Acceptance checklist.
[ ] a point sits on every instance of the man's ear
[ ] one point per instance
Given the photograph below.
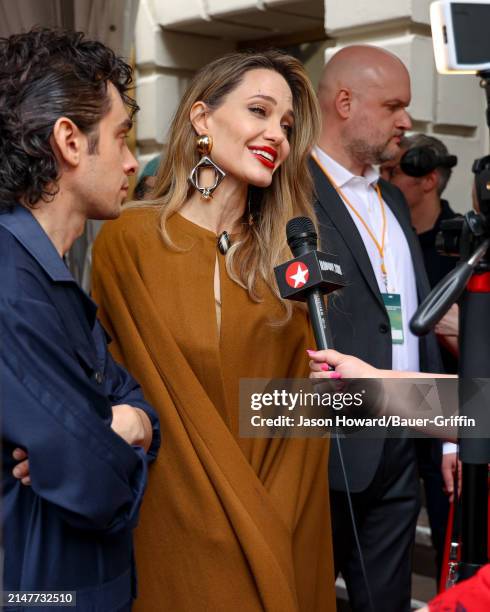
(199, 118)
(430, 181)
(343, 103)
(69, 141)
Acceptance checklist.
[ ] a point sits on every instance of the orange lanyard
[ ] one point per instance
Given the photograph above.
(379, 245)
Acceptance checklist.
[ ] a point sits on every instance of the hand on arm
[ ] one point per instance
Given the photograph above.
(126, 391)
(21, 470)
(69, 453)
(133, 425)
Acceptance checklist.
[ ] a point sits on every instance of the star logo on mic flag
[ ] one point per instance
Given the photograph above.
(297, 275)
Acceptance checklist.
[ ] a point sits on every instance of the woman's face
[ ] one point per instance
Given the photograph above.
(250, 129)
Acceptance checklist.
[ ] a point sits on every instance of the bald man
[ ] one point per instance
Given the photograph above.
(364, 92)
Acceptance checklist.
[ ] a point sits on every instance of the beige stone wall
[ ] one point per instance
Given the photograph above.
(174, 39)
(165, 60)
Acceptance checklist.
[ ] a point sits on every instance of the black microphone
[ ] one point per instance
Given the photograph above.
(309, 276)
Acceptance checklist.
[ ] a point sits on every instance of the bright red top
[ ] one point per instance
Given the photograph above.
(472, 595)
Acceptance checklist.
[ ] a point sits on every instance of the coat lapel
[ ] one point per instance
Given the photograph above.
(332, 206)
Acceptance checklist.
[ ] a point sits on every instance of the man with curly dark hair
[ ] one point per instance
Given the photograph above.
(77, 434)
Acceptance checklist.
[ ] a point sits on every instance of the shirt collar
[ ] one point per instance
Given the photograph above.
(446, 211)
(341, 175)
(24, 226)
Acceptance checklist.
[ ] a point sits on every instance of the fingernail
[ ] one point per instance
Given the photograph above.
(335, 375)
(325, 367)
(311, 352)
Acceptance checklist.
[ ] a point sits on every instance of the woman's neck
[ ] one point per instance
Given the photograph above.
(223, 212)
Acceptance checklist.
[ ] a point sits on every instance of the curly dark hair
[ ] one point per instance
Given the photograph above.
(46, 74)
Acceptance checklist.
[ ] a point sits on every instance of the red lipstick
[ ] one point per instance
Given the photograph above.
(265, 155)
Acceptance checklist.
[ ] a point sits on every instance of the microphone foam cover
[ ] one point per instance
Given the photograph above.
(299, 226)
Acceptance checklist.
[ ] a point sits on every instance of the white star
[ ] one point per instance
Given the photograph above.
(300, 277)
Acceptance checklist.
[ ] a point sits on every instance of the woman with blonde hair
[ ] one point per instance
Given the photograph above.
(186, 289)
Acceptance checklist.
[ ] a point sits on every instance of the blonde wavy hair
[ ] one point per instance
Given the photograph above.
(262, 245)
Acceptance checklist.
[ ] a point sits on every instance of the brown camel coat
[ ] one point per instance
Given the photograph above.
(228, 524)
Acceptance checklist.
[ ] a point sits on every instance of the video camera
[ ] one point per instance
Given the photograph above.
(462, 46)
(461, 236)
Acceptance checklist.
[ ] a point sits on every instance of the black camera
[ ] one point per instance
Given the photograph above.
(461, 236)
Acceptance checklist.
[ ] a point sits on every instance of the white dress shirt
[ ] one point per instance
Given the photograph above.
(361, 193)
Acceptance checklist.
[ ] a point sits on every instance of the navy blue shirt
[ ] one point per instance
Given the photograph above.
(72, 528)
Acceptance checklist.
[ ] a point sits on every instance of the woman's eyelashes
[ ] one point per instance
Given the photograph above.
(287, 128)
(258, 110)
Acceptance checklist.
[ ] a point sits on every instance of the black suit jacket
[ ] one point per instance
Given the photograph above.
(357, 317)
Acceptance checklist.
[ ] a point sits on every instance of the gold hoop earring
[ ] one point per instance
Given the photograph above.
(204, 144)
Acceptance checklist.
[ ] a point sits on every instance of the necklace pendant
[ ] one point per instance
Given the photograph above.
(224, 243)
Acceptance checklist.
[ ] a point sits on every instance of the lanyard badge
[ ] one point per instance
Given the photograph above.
(393, 305)
(392, 301)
